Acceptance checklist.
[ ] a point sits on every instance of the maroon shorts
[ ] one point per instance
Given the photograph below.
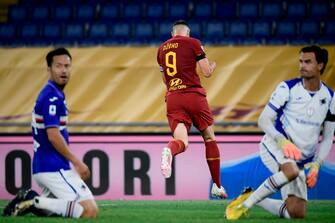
(188, 108)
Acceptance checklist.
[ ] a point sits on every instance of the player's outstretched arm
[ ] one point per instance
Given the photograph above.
(58, 141)
(327, 141)
(325, 147)
(207, 67)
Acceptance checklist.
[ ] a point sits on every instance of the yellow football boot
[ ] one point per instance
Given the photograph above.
(235, 209)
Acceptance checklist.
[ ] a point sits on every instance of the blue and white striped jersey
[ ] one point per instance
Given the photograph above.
(301, 114)
(50, 111)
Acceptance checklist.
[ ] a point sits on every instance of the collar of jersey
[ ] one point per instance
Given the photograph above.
(54, 85)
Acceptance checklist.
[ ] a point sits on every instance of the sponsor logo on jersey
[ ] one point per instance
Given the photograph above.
(307, 122)
(176, 84)
(53, 99)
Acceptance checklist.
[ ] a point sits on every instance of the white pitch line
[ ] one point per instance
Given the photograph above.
(105, 205)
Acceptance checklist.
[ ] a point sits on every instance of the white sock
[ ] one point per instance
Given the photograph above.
(268, 187)
(276, 207)
(70, 209)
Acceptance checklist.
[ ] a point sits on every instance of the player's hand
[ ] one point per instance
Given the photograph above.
(312, 175)
(212, 64)
(290, 150)
(82, 169)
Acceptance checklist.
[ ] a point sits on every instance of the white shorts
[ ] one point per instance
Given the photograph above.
(64, 184)
(272, 158)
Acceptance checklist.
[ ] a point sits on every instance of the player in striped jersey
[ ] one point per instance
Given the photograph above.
(292, 121)
(64, 192)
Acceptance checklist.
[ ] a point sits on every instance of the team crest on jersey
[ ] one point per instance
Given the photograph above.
(323, 101)
(83, 187)
(310, 111)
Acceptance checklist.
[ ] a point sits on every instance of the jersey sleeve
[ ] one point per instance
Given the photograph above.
(51, 111)
(159, 59)
(279, 97)
(198, 50)
(331, 111)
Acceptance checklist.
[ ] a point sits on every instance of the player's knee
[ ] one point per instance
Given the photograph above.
(208, 134)
(186, 145)
(209, 139)
(297, 213)
(91, 211)
(291, 171)
(296, 207)
(294, 173)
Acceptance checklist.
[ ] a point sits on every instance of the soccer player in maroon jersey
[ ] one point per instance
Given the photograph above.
(186, 99)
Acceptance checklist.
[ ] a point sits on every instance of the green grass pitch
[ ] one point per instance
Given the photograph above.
(180, 212)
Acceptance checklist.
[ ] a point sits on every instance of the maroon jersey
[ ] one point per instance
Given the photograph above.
(177, 58)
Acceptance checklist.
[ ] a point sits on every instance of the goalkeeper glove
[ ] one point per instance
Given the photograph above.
(290, 150)
(313, 172)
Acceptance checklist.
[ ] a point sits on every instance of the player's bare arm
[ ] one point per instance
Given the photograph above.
(60, 145)
(207, 67)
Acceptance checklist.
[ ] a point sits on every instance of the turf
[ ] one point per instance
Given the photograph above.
(180, 212)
